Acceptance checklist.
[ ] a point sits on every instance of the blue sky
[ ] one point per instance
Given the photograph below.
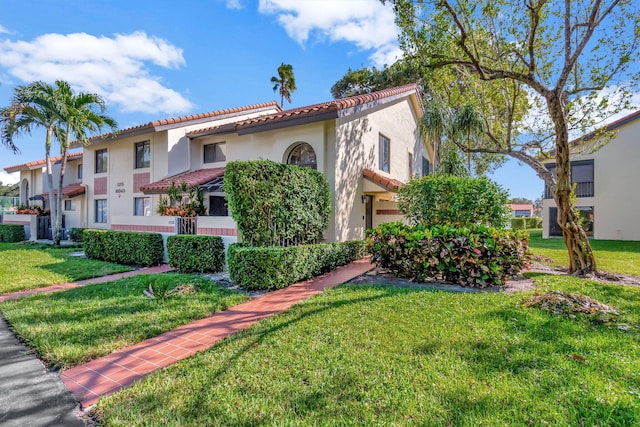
(152, 60)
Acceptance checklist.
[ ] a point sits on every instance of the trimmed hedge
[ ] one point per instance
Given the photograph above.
(277, 267)
(76, 234)
(124, 247)
(526, 223)
(196, 254)
(275, 204)
(475, 256)
(12, 233)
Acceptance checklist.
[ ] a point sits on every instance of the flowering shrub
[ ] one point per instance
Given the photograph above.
(32, 210)
(182, 200)
(476, 256)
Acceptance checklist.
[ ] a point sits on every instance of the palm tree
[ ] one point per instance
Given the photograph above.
(285, 82)
(83, 115)
(35, 105)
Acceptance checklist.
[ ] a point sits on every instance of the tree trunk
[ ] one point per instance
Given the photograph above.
(57, 225)
(49, 172)
(581, 259)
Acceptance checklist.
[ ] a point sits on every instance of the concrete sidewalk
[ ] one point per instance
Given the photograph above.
(30, 395)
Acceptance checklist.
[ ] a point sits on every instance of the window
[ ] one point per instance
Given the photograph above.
(142, 206)
(303, 155)
(384, 153)
(143, 154)
(218, 206)
(69, 205)
(410, 165)
(426, 166)
(101, 211)
(102, 158)
(586, 213)
(216, 152)
(80, 171)
(581, 175)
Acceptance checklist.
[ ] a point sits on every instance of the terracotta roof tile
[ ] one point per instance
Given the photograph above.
(69, 191)
(40, 163)
(390, 184)
(334, 105)
(197, 177)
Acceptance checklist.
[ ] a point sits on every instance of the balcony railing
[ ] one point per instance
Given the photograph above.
(583, 189)
(186, 225)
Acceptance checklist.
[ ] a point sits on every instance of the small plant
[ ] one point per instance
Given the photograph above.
(182, 200)
(162, 290)
(32, 210)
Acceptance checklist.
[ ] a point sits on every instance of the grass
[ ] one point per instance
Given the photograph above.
(388, 356)
(29, 266)
(81, 324)
(616, 256)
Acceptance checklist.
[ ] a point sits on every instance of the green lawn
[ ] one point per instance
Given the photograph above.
(71, 327)
(387, 356)
(616, 256)
(26, 266)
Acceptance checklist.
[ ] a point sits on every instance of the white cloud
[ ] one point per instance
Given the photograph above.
(366, 23)
(9, 178)
(234, 4)
(115, 67)
(3, 30)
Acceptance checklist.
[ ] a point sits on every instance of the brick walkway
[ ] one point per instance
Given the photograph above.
(109, 374)
(63, 287)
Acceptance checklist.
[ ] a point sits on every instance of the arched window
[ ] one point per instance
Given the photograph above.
(303, 155)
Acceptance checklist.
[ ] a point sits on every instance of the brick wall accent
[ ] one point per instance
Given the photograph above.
(210, 231)
(100, 186)
(140, 179)
(147, 228)
(388, 212)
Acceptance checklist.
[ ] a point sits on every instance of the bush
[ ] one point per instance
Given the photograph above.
(458, 201)
(196, 254)
(276, 204)
(526, 223)
(12, 233)
(277, 267)
(76, 234)
(124, 247)
(477, 256)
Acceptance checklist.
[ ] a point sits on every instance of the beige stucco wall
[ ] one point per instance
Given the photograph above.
(357, 148)
(616, 200)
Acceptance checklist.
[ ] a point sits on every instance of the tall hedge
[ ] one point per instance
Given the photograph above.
(196, 254)
(124, 247)
(11, 233)
(276, 204)
(457, 201)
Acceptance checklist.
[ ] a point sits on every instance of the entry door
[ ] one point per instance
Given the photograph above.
(368, 212)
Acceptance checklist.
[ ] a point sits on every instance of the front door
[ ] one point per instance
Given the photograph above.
(368, 212)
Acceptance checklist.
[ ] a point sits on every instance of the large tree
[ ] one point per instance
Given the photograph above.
(63, 115)
(571, 62)
(284, 82)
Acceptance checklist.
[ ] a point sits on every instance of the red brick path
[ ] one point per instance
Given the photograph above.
(63, 287)
(109, 374)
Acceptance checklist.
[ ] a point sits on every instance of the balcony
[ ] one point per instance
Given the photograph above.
(583, 189)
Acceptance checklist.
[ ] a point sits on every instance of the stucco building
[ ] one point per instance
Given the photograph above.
(366, 146)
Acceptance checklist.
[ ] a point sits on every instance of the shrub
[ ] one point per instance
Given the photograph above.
(519, 223)
(276, 204)
(276, 267)
(124, 247)
(458, 201)
(12, 233)
(476, 256)
(76, 234)
(197, 254)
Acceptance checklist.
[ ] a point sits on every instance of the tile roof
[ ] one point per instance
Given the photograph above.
(310, 110)
(390, 184)
(184, 119)
(196, 177)
(523, 207)
(40, 163)
(70, 191)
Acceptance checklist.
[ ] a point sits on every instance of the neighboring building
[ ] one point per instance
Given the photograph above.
(367, 146)
(606, 179)
(521, 210)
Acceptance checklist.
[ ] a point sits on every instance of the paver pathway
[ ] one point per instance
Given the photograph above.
(63, 287)
(109, 374)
